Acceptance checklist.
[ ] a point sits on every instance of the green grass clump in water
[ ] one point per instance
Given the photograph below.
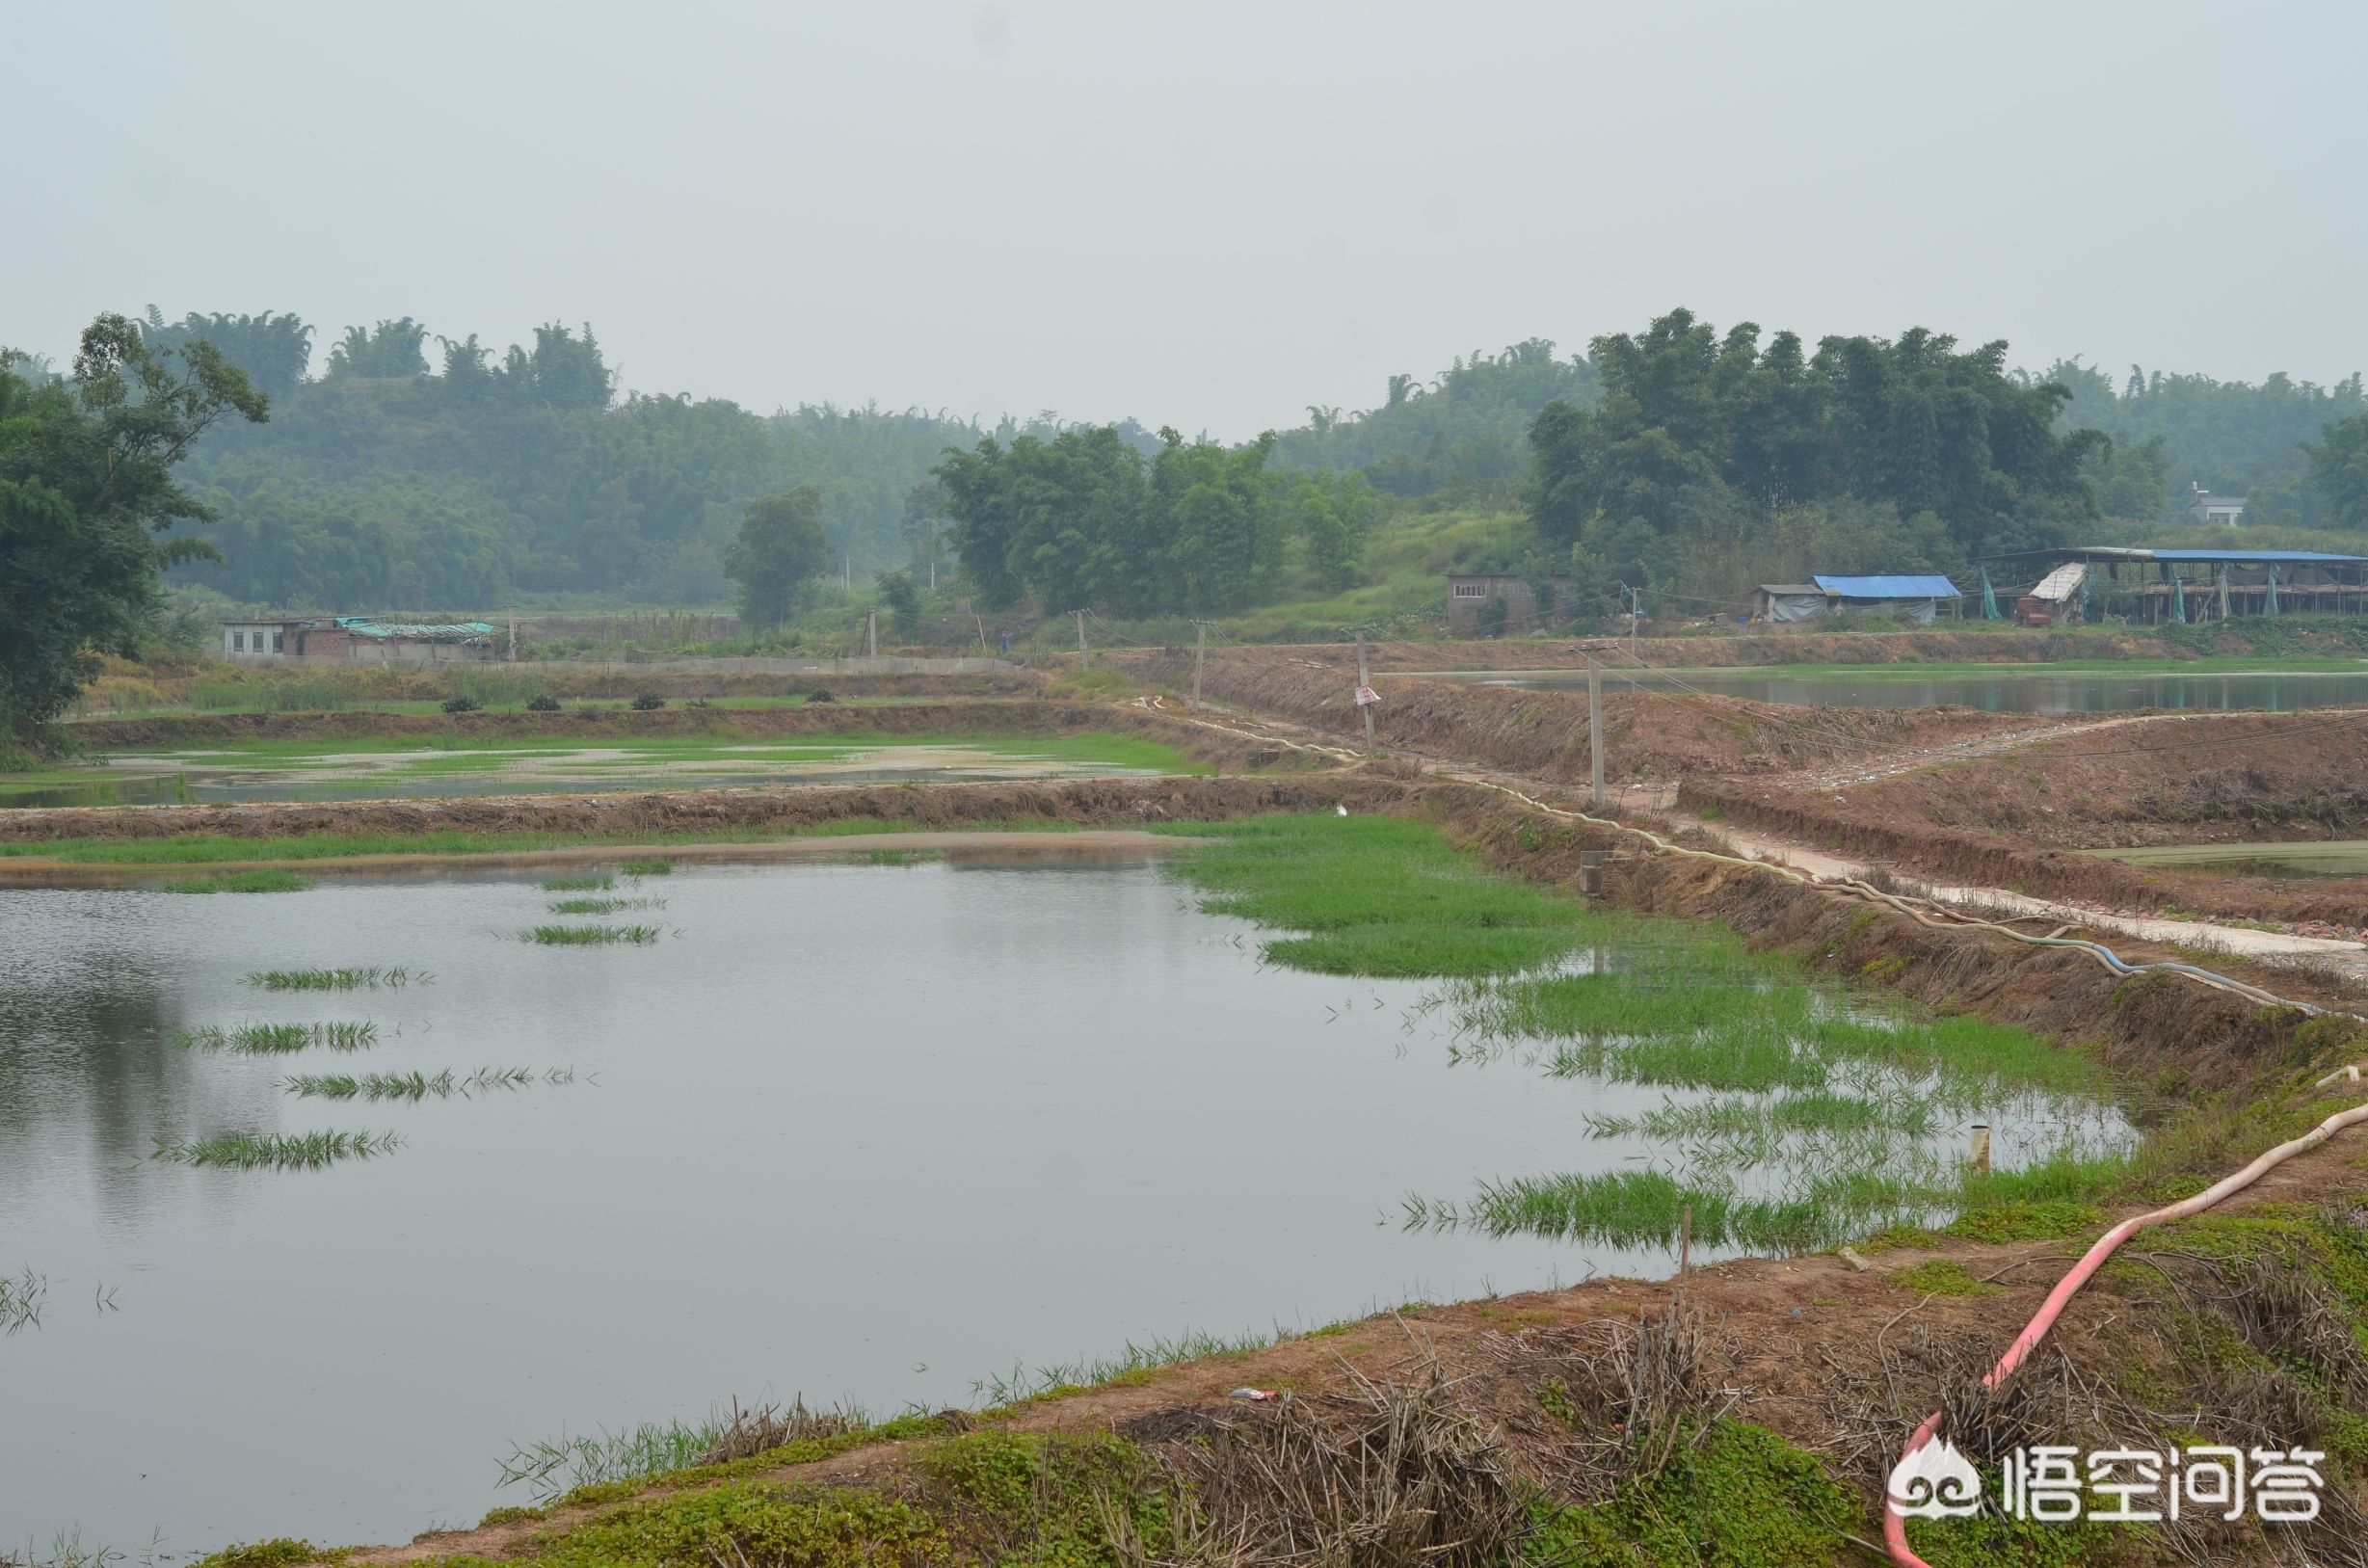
(278, 1151)
(646, 869)
(415, 1085)
(280, 1552)
(274, 1039)
(590, 936)
(367, 978)
(599, 883)
(238, 881)
(603, 906)
(1377, 895)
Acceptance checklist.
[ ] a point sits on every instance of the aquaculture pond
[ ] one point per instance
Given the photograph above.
(330, 1196)
(2002, 690)
(2278, 859)
(371, 768)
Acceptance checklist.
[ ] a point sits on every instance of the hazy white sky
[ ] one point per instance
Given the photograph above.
(1202, 214)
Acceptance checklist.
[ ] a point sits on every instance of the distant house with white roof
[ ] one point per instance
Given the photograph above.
(2207, 506)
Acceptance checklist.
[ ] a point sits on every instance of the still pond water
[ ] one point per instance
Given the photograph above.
(862, 1133)
(2060, 691)
(2279, 861)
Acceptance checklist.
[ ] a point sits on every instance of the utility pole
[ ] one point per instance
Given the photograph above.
(1200, 650)
(1595, 732)
(1632, 627)
(982, 632)
(1362, 681)
(513, 639)
(872, 632)
(1084, 656)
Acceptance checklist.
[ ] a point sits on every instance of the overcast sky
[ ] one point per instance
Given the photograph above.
(1201, 214)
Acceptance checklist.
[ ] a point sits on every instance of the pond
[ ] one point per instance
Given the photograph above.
(2275, 859)
(863, 1132)
(357, 770)
(2008, 690)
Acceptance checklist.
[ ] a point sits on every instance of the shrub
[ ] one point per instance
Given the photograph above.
(542, 703)
(647, 701)
(820, 694)
(463, 704)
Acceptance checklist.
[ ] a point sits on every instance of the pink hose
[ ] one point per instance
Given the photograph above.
(1895, 1523)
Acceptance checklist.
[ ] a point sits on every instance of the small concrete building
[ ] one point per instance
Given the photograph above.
(1470, 593)
(356, 639)
(2207, 506)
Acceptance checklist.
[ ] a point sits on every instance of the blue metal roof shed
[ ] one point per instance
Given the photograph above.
(1898, 587)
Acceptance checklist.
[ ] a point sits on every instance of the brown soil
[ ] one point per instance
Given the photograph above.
(1760, 645)
(129, 685)
(1649, 738)
(2017, 819)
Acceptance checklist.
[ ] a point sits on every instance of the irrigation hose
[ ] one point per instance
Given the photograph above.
(1895, 1523)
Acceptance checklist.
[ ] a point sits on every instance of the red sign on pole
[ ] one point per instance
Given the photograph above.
(1366, 697)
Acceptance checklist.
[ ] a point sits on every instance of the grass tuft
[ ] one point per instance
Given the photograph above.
(590, 936)
(601, 883)
(367, 978)
(646, 869)
(273, 1038)
(277, 1151)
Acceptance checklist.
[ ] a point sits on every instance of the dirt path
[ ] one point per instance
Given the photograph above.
(39, 871)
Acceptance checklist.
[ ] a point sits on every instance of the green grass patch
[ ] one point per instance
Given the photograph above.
(648, 868)
(238, 881)
(368, 977)
(1741, 1496)
(277, 1151)
(278, 1039)
(601, 883)
(1941, 1277)
(603, 906)
(590, 936)
(415, 1086)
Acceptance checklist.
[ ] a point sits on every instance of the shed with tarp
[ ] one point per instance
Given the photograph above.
(2156, 587)
(1785, 601)
(1920, 595)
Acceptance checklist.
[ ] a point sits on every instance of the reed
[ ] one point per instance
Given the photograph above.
(21, 1298)
(1024, 1383)
(417, 1086)
(277, 1151)
(603, 906)
(599, 883)
(590, 936)
(646, 869)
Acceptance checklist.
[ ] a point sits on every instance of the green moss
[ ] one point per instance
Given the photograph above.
(1940, 1277)
(782, 1527)
(513, 1516)
(1742, 1498)
(1989, 1541)
(1883, 969)
(2044, 1220)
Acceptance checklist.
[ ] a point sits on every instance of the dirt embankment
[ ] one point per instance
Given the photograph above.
(1765, 646)
(126, 686)
(2019, 819)
(985, 717)
(1648, 738)
(1131, 802)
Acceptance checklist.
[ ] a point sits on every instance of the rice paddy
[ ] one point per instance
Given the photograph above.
(646, 869)
(603, 906)
(238, 881)
(277, 1151)
(415, 1086)
(590, 936)
(599, 883)
(275, 1039)
(365, 979)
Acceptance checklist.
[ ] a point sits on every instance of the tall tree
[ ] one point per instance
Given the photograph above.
(85, 492)
(2339, 471)
(780, 549)
(275, 350)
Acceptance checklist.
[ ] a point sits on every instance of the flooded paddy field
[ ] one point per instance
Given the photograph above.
(871, 1132)
(2000, 689)
(356, 768)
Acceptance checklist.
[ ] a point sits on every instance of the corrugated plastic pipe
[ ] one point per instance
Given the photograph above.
(1895, 1523)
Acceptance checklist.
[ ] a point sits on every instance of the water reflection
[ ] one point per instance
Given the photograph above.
(2008, 691)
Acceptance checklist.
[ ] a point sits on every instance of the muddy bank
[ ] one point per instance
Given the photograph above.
(1649, 738)
(126, 686)
(1762, 644)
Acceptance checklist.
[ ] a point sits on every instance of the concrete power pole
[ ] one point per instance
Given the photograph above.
(1200, 650)
(1084, 656)
(1632, 626)
(872, 632)
(1362, 681)
(1595, 732)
